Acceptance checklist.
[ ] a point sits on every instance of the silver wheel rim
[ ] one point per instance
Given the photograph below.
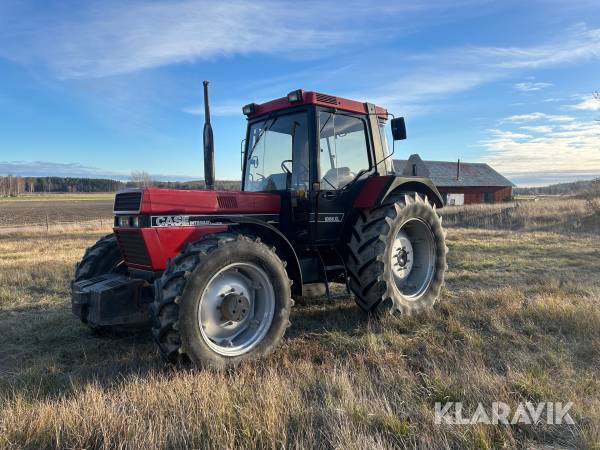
(413, 258)
(236, 309)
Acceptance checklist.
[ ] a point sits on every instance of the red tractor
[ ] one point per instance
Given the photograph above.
(214, 272)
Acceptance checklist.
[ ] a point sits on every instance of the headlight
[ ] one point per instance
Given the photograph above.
(295, 96)
(123, 221)
(249, 109)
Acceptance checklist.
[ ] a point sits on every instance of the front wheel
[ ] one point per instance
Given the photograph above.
(223, 300)
(397, 256)
(101, 258)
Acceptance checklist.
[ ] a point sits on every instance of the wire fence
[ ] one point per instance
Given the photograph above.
(49, 225)
(47, 215)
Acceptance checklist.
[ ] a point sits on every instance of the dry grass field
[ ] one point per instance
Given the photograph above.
(567, 215)
(519, 320)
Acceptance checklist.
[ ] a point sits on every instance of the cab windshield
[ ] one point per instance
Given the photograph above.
(275, 145)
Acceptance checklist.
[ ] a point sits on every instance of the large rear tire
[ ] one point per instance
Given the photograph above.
(223, 300)
(397, 256)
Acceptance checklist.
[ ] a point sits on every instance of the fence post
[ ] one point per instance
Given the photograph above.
(47, 224)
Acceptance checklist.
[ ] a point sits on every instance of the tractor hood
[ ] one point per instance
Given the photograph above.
(176, 201)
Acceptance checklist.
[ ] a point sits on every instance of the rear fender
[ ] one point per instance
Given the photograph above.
(422, 186)
(272, 236)
(377, 189)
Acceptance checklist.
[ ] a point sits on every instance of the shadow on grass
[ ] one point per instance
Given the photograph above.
(48, 353)
(323, 315)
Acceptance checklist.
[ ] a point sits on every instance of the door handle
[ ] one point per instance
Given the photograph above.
(329, 194)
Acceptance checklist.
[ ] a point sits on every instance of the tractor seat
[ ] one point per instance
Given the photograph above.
(338, 177)
(274, 182)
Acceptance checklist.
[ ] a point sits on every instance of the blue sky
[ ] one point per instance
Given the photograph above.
(104, 88)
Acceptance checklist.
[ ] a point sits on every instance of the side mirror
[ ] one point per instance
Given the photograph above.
(398, 129)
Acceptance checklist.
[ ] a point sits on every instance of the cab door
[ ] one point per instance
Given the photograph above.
(343, 152)
(277, 161)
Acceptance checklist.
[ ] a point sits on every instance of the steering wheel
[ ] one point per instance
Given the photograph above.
(284, 168)
(262, 177)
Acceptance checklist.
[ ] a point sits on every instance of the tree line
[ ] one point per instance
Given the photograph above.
(13, 186)
(591, 187)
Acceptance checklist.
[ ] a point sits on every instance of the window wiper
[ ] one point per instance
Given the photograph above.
(262, 132)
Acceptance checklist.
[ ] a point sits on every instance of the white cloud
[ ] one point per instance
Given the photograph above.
(413, 92)
(554, 147)
(439, 74)
(538, 129)
(537, 116)
(109, 39)
(590, 103)
(530, 87)
(116, 39)
(97, 39)
(231, 108)
(46, 168)
(580, 43)
(101, 39)
(503, 135)
(531, 179)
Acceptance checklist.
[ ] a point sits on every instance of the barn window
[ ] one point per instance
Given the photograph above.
(488, 197)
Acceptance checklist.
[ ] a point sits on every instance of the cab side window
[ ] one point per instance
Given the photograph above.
(343, 149)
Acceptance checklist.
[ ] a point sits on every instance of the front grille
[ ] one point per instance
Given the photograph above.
(128, 202)
(324, 98)
(227, 202)
(132, 247)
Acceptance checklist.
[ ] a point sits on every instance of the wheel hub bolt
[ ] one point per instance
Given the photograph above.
(402, 257)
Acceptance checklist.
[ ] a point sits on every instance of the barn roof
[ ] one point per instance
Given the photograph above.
(443, 173)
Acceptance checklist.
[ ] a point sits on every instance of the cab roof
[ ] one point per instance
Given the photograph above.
(315, 98)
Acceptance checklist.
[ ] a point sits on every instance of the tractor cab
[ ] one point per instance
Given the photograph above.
(316, 151)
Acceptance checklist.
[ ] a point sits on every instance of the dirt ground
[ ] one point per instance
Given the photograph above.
(27, 212)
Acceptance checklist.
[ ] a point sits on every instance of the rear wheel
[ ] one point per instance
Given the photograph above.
(397, 256)
(223, 300)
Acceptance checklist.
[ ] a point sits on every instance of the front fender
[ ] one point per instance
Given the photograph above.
(271, 235)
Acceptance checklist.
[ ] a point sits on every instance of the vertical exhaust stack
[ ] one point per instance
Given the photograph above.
(209, 145)
(458, 170)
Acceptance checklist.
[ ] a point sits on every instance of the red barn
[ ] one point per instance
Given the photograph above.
(459, 183)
